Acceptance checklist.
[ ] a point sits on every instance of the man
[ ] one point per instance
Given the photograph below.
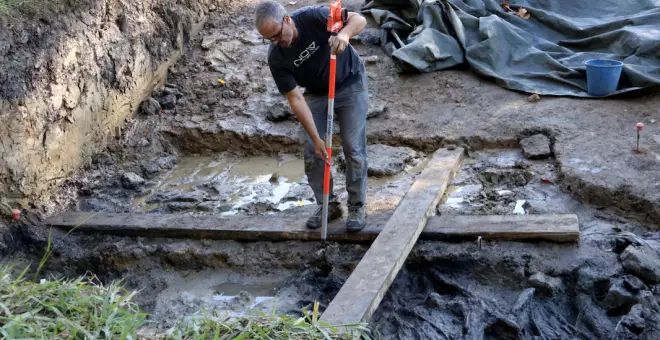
(300, 56)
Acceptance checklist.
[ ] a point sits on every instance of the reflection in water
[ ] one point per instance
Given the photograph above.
(238, 182)
(232, 289)
(227, 291)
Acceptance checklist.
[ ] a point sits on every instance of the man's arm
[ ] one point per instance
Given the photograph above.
(355, 23)
(304, 115)
(286, 84)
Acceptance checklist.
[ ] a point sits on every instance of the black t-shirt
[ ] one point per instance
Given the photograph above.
(307, 62)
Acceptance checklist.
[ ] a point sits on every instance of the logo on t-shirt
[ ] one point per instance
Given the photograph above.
(304, 55)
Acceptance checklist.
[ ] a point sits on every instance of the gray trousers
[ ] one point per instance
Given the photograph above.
(351, 104)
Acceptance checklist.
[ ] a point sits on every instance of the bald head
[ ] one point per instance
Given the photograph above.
(269, 11)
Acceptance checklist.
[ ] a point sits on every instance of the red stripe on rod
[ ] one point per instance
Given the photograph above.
(326, 183)
(333, 72)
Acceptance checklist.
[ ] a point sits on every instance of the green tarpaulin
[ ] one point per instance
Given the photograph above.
(543, 54)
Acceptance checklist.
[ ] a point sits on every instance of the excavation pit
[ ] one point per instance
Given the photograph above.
(476, 288)
(225, 144)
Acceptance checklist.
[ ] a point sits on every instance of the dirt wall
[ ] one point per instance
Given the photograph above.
(71, 75)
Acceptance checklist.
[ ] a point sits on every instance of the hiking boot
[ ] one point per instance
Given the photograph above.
(334, 212)
(356, 219)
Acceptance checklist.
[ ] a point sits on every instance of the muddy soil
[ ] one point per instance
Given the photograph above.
(71, 73)
(522, 291)
(221, 98)
(605, 286)
(510, 290)
(503, 182)
(217, 138)
(178, 278)
(229, 184)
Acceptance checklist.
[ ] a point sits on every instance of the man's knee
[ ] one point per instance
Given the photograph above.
(357, 161)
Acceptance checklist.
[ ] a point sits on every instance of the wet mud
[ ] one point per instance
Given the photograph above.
(513, 291)
(216, 138)
(503, 182)
(605, 286)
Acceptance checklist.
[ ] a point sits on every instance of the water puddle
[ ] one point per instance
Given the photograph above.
(226, 185)
(227, 291)
(456, 195)
(219, 289)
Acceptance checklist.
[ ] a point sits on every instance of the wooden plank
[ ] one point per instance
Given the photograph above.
(362, 292)
(556, 228)
(291, 226)
(285, 226)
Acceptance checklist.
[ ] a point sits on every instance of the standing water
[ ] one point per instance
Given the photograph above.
(229, 185)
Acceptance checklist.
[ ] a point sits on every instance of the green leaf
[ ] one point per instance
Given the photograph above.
(242, 336)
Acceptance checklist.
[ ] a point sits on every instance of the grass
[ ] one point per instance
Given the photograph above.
(84, 308)
(262, 326)
(65, 309)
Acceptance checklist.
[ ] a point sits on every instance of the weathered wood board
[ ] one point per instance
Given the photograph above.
(556, 228)
(240, 228)
(362, 292)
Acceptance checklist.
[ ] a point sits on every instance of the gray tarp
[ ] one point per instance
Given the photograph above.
(544, 54)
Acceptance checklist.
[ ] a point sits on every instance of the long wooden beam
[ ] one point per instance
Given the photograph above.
(281, 227)
(362, 292)
(554, 228)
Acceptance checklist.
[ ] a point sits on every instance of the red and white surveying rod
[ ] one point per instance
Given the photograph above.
(336, 20)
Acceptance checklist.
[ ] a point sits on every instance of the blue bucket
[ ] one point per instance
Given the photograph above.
(603, 76)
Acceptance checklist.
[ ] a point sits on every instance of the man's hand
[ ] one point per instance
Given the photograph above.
(338, 43)
(354, 25)
(300, 108)
(319, 150)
